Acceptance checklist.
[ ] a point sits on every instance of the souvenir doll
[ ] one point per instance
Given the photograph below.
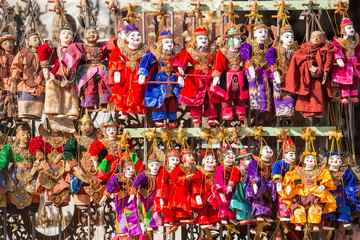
(306, 192)
(239, 204)
(228, 62)
(279, 169)
(128, 93)
(21, 181)
(145, 184)
(26, 74)
(165, 189)
(88, 60)
(278, 59)
(195, 93)
(83, 183)
(307, 75)
(8, 101)
(119, 186)
(347, 70)
(253, 52)
(61, 102)
(201, 185)
(163, 98)
(261, 190)
(220, 197)
(344, 194)
(53, 169)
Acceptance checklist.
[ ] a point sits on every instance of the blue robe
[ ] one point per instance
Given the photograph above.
(279, 169)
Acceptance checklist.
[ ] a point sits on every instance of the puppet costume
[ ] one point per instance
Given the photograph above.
(201, 184)
(48, 150)
(196, 91)
(305, 196)
(163, 98)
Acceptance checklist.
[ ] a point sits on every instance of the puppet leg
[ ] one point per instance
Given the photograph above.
(299, 216)
(171, 108)
(263, 91)
(253, 93)
(209, 108)
(354, 88)
(227, 109)
(240, 108)
(314, 214)
(104, 94)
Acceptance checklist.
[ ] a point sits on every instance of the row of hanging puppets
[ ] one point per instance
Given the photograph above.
(58, 76)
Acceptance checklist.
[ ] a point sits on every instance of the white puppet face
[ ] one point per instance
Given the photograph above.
(167, 44)
(237, 41)
(210, 161)
(154, 168)
(173, 161)
(122, 34)
(202, 40)
(261, 34)
(134, 38)
(229, 158)
(310, 161)
(287, 38)
(66, 36)
(267, 152)
(290, 157)
(349, 30)
(129, 171)
(335, 161)
(111, 131)
(245, 162)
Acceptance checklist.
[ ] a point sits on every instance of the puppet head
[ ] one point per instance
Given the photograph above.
(133, 36)
(310, 161)
(68, 30)
(7, 39)
(317, 38)
(229, 158)
(121, 32)
(289, 152)
(86, 125)
(287, 36)
(209, 161)
(166, 42)
(234, 37)
(153, 164)
(111, 130)
(33, 39)
(23, 134)
(335, 160)
(128, 167)
(201, 38)
(91, 36)
(173, 158)
(347, 27)
(245, 157)
(260, 32)
(266, 153)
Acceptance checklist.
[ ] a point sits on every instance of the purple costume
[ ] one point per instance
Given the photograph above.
(253, 54)
(278, 59)
(145, 185)
(126, 213)
(259, 173)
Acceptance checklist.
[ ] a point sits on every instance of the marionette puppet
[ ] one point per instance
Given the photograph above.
(53, 170)
(61, 101)
(278, 59)
(162, 97)
(201, 184)
(84, 184)
(228, 63)
(347, 70)
(8, 100)
(253, 52)
(306, 192)
(307, 75)
(145, 185)
(120, 186)
(238, 203)
(200, 53)
(261, 190)
(88, 60)
(29, 79)
(279, 169)
(220, 198)
(17, 161)
(128, 94)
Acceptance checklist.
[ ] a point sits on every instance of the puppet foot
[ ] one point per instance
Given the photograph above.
(316, 228)
(224, 221)
(260, 219)
(172, 125)
(196, 120)
(211, 122)
(298, 228)
(269, 220)
(228, 117)
(123, 116)
(60, 116)
(242, 117)
(284, 219)
(354, 99)
(347, 225)
(142, 115)
(327, 228)
(344, 101)
(104, 110)
(204, 226)
(159, 124)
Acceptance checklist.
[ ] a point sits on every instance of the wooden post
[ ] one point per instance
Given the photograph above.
(60, 223)
(143, 26)
(5, 223)
(89, 221)
(33, 232)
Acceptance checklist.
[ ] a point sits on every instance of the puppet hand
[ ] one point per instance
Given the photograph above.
(340, 62)
(181, 71)
(131, 198)
(222, 196)
(321, 188)
(277, 77)
(161, 202)
(216, 81)
(181, 81)
(288, 189)
(95, 164)
(189, 176)
(324, 78)
(255, 187)
(229, 190)
(198, 200)
(142, 79)
(279, 187)
(252, 72)
(103, 201)
(13, 87)
(46, 73)
(117, 77)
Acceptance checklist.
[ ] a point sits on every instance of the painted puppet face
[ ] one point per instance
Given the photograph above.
(23, 136)
(167, 44)
(173, 161)
(129, 171)
(317, 38)
(287, 38)
(210, 161)
(91, 36)
(134, 38)
(154, 168)
(87, 129)
(8, 45)
(122, 34)
(290, 157)
(237, 42)
(310, 161)
(267, 152)
(34, 41)
(349, 30)
(229, 158)
(66, 36)
(261, 34)
(202, 40)
(335, 161)
(245, 162)
(111, 131)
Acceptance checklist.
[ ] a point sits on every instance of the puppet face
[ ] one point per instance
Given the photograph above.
(173, 161)
(317, 38)
(122, 34)
(134, 38)
(129, 171)
(87, 129)
(287, 38)
(111, 132)
(34, 41)
(210, 161)
(8, 45)
(229, 158)
(335, 161)
(245, 162)
(261, 34)
(349, 30)
(154, 168)
(202, 40)
(66, 36)
(237, 41)
(91, 36)
(290, 157)
(267, 152)
(310, 161)
(167, 44)
(23, 136)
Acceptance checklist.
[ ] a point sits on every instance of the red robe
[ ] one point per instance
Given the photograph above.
(311, 95)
